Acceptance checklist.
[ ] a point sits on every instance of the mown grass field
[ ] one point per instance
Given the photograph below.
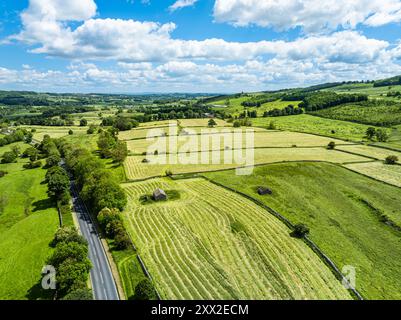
(370, 151)
(136, 169)
(379, 171)
(54, 132)
(366, 88)
(236, 108)
(366, 113)
(221, 140)
(28, 222)
(343, 210)
(213, 244)
(311, 124)
(394, 140)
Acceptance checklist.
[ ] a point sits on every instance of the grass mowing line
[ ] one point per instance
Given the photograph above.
(309, 242)
(169, 215)
(335, 209)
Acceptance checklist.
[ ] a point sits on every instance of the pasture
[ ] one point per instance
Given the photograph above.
(316, 125)
(220, 140)
(345, 212)
(28, 221)
(136, 169)
(379, 171)
(206, 245)
(54, 132)
(369, 151)
(372, 113)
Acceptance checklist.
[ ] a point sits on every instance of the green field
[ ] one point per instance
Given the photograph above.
(379, 171)
(219, 141)
(366, 88)
(311, 124)
(213, 244)
(136, 169)
(370, 151)
(28, 221)
(372, 113)
(235, 107)
(343, 210)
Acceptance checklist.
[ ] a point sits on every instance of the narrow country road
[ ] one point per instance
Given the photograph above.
(103, 285)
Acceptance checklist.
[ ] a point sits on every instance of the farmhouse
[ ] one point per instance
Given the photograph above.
(159, 195)
(264, 190)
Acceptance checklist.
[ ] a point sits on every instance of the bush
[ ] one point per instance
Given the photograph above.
(300, 231)
(79, 294)
(72, 274)
(113, 228)
(237, 124)
(144, 291)
(33, 165)
(122, 240)
(3, 173)
(68, 250)
(91, 130)
(83, 122)
(212, 123)
(107, 215)
(67, 235)
(9, 157)
(53, 160)
(331, 145)
(381, 135)
(272, 126)
(70, 132)
(391, 160)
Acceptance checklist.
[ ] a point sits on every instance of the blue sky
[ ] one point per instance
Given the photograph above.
(195, 45)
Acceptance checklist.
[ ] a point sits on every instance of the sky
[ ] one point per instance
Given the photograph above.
(210, 46)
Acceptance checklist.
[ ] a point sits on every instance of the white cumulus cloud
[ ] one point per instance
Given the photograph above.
(179, 4)
(311, 15)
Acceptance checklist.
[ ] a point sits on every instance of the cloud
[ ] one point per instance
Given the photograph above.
(179, 4)
(146, 56)
(311, 15)
(133, 42)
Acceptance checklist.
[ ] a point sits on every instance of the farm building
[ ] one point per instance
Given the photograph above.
(159, 195)
(264, 190)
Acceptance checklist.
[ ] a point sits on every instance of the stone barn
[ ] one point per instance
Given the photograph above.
(159, 195)
(264, 190)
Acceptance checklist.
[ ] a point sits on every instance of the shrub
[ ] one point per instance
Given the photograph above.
(79, 294)
(300, 230)
(331, 145)
(381, 135)
(237, 124)
(70, 132)
(122, 240)
(53, 160)
(107, 215)
(3, 173)
(83, 122)
(72, 274)
(212, 123)
(91, 130)
(272, 126)
(144, 291)
(68, 234)
(72, 251)
(9, 157)
(391, 160)
(113, 228)
(33, 165)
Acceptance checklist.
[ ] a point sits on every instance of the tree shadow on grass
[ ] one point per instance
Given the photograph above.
(36, 292)
(42, 205)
